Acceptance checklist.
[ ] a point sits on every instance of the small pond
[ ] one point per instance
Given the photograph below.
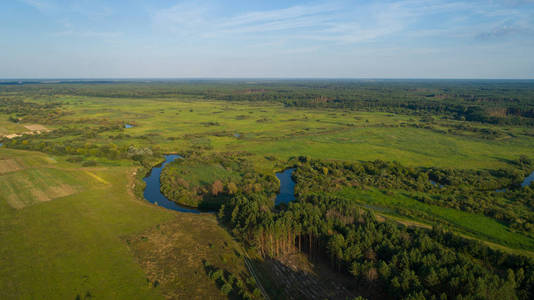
(128, 126)
(287, 187)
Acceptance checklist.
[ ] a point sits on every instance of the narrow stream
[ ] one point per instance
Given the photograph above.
(153, 193)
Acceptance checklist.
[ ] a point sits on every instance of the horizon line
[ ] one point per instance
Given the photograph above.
(12, 79)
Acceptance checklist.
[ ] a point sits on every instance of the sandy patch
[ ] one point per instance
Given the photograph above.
(9, 165)
(36, 127)
(12, 136)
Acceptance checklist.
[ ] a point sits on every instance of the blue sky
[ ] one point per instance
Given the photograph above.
(342, 39)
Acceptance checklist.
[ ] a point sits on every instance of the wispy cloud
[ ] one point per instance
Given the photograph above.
(41, 5)
(325, 21)
(337, 22)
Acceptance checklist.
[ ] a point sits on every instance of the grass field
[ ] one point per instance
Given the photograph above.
(71, 245)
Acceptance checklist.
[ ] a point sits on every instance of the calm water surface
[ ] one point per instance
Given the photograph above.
(528, 180)
(287, 187)
(153, 193)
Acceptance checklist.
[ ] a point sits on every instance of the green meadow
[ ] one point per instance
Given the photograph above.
(272, 129)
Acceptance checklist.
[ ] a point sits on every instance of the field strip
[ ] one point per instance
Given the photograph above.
(98, 178)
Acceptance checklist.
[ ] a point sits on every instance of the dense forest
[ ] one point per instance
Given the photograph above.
(406, 263)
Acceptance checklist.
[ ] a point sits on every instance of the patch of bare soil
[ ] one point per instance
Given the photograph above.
(295, 277)
(9, 165)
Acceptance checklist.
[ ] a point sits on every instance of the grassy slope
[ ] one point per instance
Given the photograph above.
(72, 245)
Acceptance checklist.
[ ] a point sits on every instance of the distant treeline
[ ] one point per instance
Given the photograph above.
(488, 101)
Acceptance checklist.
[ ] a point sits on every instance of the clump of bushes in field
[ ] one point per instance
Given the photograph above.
(31, 112)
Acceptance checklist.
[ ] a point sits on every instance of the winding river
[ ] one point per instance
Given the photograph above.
(153, 193)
